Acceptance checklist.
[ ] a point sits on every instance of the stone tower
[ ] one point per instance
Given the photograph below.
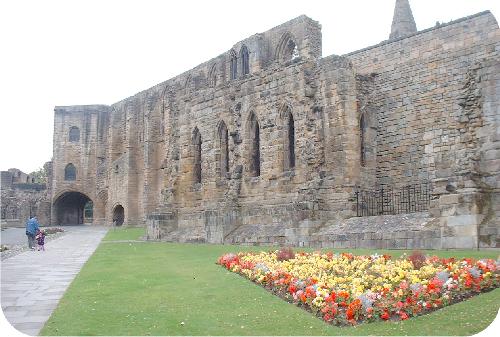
(403, 23)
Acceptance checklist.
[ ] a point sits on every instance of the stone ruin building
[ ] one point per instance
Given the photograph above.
(396, 145)
(21, 197)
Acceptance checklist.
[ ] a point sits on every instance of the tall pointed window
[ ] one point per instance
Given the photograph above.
(212, 76)
(70, 172)
(233, 65)
(188, 85)
(287, 49)
(254, 133)
(362, 131)
(74, 134)
(245, 65)
(288, 140)
(224, 150)
(196, 156)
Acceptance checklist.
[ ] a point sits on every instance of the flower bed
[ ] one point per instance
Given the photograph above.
(53, 230)
(347, 289)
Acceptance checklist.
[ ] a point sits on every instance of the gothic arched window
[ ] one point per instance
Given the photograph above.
(288, 140)
(254, 133)
(196, 155)
(233, 65)
(188, 85)
(212, 76)
(245, 65)
(224, 149)
(287, 49)
(70, 172)
(74, 134)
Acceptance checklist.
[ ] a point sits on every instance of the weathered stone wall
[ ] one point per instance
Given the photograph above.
(6, 179)
(423, 108)
(157, 162)
(419, 81)
(432, 119)
(20, 200)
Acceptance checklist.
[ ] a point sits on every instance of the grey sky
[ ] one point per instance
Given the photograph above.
(99, 52)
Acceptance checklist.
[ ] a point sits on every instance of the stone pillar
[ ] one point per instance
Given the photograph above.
(467, 178)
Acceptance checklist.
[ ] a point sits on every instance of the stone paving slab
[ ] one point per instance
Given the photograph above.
(33, 282)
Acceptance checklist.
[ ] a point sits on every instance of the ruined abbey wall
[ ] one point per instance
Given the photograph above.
(436, 101)
(271, 148)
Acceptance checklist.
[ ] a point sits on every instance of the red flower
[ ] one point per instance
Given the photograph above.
(344, 294)
(349, 314)
(332, 297)
(292, 288)
(403, 315)
(385, 316)
(310, 292)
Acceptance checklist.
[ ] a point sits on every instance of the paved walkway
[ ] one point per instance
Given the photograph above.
(33, 282)
(16, 235)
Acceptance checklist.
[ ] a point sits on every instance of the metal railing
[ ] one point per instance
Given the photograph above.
(408, 199)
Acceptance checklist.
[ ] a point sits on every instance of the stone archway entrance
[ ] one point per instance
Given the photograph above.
(70, 208)
(118, 215)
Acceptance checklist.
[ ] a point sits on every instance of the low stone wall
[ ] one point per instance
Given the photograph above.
(160, 224)
(403, 231)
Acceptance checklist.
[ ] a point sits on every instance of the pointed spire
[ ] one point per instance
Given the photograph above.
(403, 23)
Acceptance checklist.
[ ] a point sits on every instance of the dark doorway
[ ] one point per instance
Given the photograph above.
(69, 208)
(118, 215)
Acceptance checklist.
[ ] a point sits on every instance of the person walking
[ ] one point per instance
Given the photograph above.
(31, 230)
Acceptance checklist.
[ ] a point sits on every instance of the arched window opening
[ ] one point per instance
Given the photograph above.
(224, 150)
(74, 134)
(287, 49)
(289, 140)
(188, 85)
(295, 52)
(362, 130)
(254, 146)
(212, 76)
(245, 65)
(70, 172)
(197, 156)
(233, 65)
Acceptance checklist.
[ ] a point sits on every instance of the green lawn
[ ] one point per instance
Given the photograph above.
(135, 288)
(126, 233)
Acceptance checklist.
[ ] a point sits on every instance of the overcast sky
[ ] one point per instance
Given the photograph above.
(100, 52)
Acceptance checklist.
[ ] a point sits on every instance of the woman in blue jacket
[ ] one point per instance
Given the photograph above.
(31, 230)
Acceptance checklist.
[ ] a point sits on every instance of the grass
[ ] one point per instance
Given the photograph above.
(125, 233)
(134, 288)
